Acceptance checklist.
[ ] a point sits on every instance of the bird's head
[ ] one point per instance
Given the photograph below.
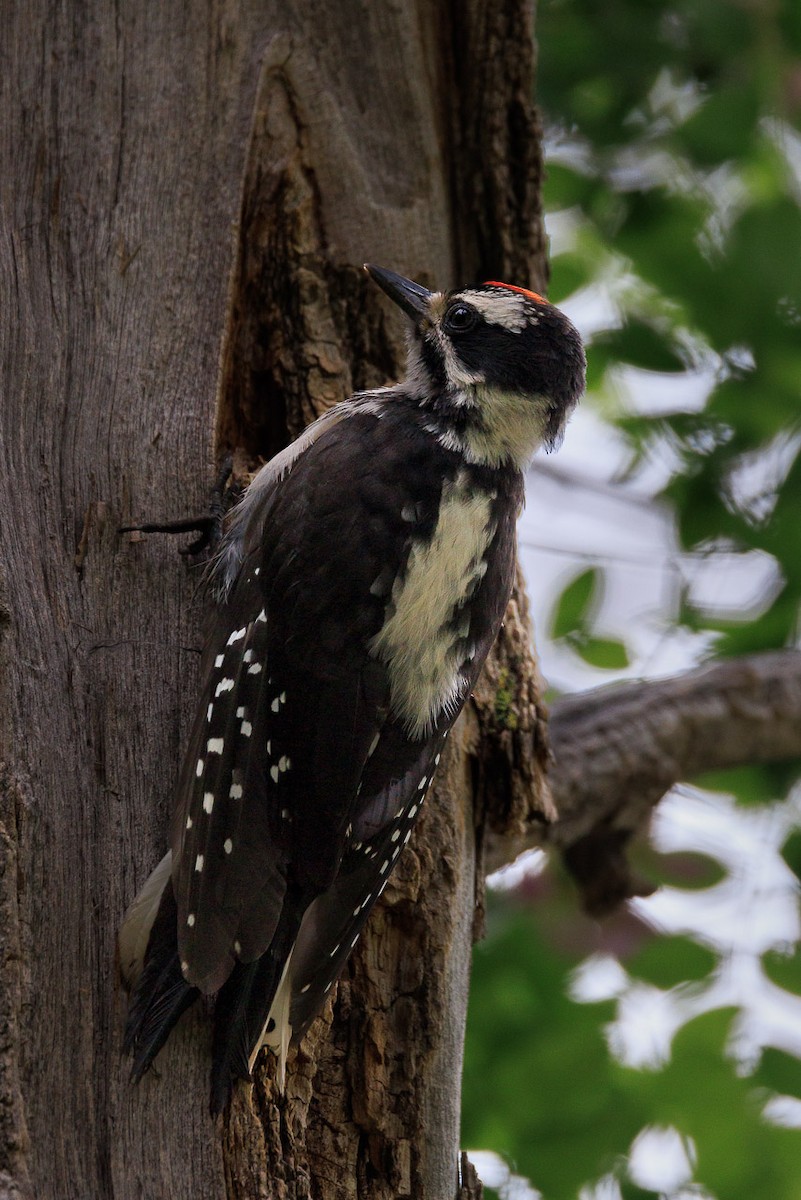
(499, 363)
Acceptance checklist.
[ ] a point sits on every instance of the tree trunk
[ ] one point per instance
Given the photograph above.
(188, 191)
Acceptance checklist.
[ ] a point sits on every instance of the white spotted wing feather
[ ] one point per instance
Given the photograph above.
(230, 872)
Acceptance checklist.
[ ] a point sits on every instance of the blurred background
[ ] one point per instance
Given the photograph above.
(658, 1054)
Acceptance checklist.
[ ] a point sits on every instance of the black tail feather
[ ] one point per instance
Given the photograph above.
(243, 1006)
(232, 1029)
(161, 993)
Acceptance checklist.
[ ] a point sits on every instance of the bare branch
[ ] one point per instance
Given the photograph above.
(618, 749)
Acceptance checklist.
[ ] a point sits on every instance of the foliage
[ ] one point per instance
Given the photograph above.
(572, 622)
(677, 153)
(547, 1087)
(675, 162)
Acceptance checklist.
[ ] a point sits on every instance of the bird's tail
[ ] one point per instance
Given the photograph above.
(243, 1014)
(160, 993)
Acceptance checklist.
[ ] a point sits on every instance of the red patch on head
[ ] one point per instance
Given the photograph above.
(510, 287)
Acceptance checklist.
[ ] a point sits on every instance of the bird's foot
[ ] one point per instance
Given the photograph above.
(209, 525)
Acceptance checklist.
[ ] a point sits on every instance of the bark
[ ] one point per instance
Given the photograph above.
(617, 750)
(188, 192)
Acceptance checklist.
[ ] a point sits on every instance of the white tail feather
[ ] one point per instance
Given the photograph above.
(280, 1035)
(138, 921)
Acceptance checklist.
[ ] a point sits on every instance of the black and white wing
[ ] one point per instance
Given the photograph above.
(304, 775)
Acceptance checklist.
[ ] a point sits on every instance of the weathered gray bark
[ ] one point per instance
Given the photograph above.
(187, 194)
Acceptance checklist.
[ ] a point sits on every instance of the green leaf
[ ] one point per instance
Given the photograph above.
(569, 272)
(690, 870)
(575, 603)
(791, 853)
(790, 26)
(640, 345)
(723, 127)
(565, 188)
(667, 962)
(606, 653)
(780, 1072)
(753, 784)
(632, 1191)
(784, 969)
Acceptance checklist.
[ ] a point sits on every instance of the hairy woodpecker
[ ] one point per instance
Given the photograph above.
(362, 581)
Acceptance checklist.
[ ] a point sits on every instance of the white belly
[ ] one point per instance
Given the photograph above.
(418, 642)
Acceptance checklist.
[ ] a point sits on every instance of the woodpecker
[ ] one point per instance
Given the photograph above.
(362, 581)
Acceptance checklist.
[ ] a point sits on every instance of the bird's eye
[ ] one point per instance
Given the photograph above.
(460, 318)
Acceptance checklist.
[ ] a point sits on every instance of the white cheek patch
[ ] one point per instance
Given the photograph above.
(418, 379)
(458, 374)
(503, 308)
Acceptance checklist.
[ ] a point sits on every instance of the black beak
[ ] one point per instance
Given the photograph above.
(413, 298)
